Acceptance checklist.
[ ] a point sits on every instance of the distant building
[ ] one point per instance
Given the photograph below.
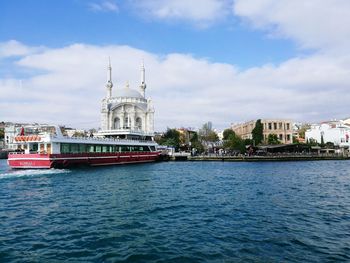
(337, 132)
(186, 136)
(282, 128)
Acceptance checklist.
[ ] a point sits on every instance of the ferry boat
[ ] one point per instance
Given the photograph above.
(51, 149)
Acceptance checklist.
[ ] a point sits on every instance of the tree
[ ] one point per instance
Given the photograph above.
(195, 143)
(2, 133)
(273, 139)
(234, 143)
(171, 138)
(212, 137)
(248, 141)
(322, 141)
(227, 133)
(257, 132)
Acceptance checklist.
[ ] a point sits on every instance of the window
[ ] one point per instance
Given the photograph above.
(91, 148)
(105, 148)
(98, 148)
(82, 148)
(288, 126)
(116, 123)
(125, 148)
(153, 148)
(270, 126)
(288, 137)
(127, 122)
(281, 137)
(74, 148)
(280, 126)
(275, 126)
(138, 123)
(64, 147)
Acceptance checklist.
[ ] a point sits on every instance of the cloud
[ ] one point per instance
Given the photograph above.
(186, 91)
(13, 48)
(200, 12)
(313, 24)
(104, 6)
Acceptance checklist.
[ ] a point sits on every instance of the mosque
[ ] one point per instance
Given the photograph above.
(128, 114)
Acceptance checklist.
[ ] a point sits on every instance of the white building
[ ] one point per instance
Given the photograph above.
(128, 113)
(336, 132)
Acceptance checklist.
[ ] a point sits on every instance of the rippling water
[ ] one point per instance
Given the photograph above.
(177, 212)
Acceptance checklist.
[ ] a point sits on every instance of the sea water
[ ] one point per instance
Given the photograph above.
(177, 212)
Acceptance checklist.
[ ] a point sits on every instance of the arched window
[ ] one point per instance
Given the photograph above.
(127, 122)
(138, 123)
(116, 123)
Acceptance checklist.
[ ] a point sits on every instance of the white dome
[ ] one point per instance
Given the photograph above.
(127, 92)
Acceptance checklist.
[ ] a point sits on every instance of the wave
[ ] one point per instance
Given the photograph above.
(31, 172)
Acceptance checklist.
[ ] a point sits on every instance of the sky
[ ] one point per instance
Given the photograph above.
(224, 61)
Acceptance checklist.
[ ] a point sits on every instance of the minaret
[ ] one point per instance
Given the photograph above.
(143, 80)
(109, 84)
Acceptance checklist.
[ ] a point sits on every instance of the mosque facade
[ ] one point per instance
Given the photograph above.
(128, 111)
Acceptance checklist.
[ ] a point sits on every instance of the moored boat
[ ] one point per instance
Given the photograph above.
(54, 150)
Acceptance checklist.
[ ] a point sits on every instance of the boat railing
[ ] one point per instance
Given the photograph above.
(98, 139)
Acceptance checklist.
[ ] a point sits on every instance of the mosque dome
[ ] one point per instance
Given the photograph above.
(129, 93)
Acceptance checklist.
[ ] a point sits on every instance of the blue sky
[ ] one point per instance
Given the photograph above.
(57, 23)
(223, 61)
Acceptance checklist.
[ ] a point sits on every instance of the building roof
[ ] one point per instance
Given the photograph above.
(129, 93)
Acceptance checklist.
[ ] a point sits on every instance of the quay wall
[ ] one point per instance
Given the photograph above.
(257, 158)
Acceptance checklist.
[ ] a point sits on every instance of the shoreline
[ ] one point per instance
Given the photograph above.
(257, 158)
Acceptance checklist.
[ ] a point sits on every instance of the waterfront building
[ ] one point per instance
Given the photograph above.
(280, 127)
(336, 132)
(127, 113)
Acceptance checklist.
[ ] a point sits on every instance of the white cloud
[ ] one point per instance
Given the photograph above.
(201, 12)
(13, 48)
(313, 24)
(104, 6)
(186, 91)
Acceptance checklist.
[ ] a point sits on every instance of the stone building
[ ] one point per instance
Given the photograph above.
(282, 128)
(128, 111)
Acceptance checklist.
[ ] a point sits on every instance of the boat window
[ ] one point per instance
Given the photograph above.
(48, 147)
(105, 148)
(146, 149)
(74, 148)
(82, 148)
(153, 148)
(124, 148)
(64, 147)
(98, 148)
(91, 148)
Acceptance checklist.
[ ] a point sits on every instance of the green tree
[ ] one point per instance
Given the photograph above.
(171, 138)
(234, 143)
(322, 141)
(2, 133)
(212, 137)
(248, 141)
(257, 132)
(273, 139)
(227, 133)
(195, 142)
